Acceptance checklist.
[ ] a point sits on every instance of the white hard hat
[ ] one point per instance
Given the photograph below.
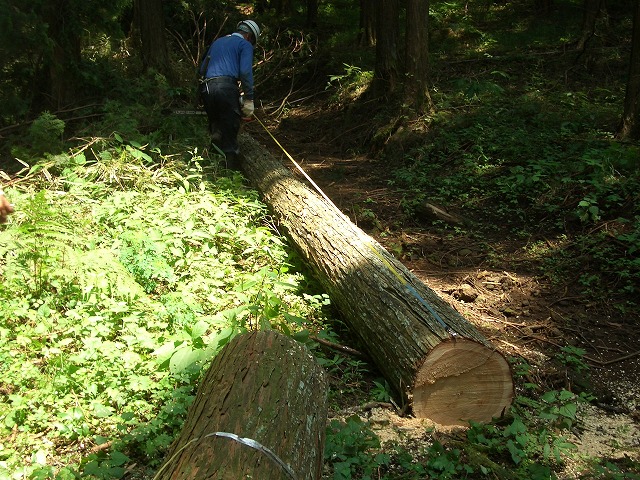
(250, 26)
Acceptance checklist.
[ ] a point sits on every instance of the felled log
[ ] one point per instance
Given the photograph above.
(260, 412)
(425, 349)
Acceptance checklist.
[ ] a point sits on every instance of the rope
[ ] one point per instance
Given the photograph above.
(249, 442)
(371, 245)
(318, 189)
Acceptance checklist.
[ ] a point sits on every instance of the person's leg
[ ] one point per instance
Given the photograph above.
(233, 160)
(223, 111)
(209, 100)
(229, 123)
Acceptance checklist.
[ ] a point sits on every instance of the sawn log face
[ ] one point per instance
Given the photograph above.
(399, 320)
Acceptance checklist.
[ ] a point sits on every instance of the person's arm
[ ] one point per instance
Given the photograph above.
(246, 78)
(204, 63)
(5, 207)
(202, 71)
(246, 69)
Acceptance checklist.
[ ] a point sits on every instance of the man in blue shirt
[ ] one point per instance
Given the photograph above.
(228, 62)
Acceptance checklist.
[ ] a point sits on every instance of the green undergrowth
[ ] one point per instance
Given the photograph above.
(123, 272)
(532, 160)
(533, 440)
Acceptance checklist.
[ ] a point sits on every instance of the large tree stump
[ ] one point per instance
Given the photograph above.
(260, 412)
(425, 349)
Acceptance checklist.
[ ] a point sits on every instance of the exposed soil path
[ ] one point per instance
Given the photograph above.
(493, 281)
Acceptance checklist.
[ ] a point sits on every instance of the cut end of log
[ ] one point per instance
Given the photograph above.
(462, 380)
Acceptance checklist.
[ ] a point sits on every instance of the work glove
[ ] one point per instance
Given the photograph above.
(247, 108)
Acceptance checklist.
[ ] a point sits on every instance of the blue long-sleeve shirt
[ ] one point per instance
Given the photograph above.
(231, 56)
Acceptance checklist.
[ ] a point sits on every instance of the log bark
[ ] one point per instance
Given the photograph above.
(260, 412)
(425, 349)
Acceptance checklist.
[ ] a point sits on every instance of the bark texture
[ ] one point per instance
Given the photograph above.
(592, 9)
(418, 341)
(630, 125)
(259, 413)
(149, 23)
(367, 33)
(387, 69)
(417, 56)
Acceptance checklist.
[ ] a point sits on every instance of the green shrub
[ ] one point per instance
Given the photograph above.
(45, 134)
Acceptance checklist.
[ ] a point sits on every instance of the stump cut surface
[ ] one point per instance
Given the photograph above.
(462, 380)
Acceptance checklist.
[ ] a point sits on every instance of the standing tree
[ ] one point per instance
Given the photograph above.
(387, 71)
(592, 9)
(282, 7)
(63, 58)
(148, 18)
(630, 125)
(261, 6)
(367, 31)
(417, 56)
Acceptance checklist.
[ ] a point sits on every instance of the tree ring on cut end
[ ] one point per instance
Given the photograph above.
(462, 380)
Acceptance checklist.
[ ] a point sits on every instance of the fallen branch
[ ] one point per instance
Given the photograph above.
(340, 348)
(615, 360)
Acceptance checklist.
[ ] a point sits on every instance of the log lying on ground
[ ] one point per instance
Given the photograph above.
(259, 413)
(425, 349)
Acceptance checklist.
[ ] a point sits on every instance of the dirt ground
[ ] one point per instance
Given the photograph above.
(493, 283)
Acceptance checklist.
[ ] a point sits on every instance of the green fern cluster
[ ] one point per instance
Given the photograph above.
(115, 293)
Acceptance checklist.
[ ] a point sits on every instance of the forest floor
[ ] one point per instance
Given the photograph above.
(492, 281)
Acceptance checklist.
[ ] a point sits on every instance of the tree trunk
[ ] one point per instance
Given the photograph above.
(260, 413)
(385, 81)
(367, 33)
(282, 7)
(63, 62)
(417, 56)
(261, 6)
(149, 25)
(425, 349)
(630, 125)
(592, 10)
(543, 6)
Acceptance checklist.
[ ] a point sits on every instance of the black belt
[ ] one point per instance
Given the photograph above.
(221, 80)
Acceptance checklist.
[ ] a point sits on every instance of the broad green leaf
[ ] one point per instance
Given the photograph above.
(199, 329)
(166, 351)
(101, 411)
(569, 410)
(183, 358)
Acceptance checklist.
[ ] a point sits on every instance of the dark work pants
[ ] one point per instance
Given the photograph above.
(221, 99)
